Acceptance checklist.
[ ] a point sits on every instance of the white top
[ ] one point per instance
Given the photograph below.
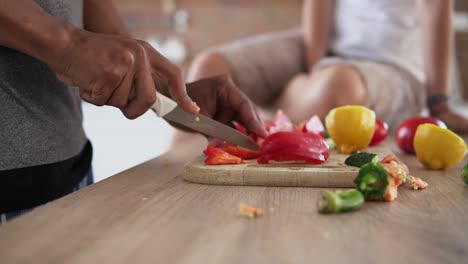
(381, 30)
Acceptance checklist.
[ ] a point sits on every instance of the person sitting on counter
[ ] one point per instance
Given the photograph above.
(55, 53)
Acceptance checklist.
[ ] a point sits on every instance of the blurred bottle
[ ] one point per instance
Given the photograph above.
(172, 45)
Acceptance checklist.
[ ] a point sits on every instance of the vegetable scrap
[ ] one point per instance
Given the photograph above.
(281, 122)
(417, 183)
(340, 201)
(313, 125)
(249, 211)
(240, 152)
(380, 181)
(276, 204)
(397, 174)
(217, 156)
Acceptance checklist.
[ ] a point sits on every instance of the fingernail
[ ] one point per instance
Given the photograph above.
(197, 108)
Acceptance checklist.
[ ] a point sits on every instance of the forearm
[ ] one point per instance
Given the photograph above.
(26, 27)
(317, 18)
(101, 16)
(437, 32)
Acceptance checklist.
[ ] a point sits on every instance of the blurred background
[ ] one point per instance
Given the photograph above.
(179, 29)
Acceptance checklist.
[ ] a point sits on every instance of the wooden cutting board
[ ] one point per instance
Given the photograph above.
(332, 173)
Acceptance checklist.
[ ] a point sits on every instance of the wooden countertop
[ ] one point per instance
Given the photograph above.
(149, 215)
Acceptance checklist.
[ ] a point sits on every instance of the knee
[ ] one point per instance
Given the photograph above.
(208, 64)
(343, 85)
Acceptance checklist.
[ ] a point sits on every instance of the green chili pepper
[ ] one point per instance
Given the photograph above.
(372, 181)
(465, 174)
(358, 159)
(340, 201)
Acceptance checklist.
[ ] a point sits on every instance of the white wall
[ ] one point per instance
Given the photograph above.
(120, 143)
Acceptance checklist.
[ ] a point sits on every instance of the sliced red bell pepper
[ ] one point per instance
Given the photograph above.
(281, 122)
(294, 146)
(237, 151)
(217, 156)
(240, 152)
(243, 130)
(313, 125)
(240, 128)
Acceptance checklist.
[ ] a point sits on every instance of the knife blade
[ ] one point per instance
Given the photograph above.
(168, 109)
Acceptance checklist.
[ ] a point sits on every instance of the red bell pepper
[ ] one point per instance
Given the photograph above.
(380, 133)
(294, 146)
(240, 152)
(234, 150)
(313, 125)
(243, 130)
(240, 128)
(281, 122)
(217, 156)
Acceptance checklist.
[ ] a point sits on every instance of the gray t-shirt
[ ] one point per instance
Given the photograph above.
(41, 118)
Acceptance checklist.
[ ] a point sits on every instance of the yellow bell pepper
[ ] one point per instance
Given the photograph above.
(438, 148)
(351, 127)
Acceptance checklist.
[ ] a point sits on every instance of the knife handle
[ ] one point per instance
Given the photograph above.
(163, 105)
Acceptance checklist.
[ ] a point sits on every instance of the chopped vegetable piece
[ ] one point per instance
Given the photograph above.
(417, 183)
(237, 151)
(281, 122)
(240, 128)
(218, 157)
(465, 174)
(240, 152)
(397, 174)
(389, 158)
(396, 171)
(372, 181)
(340, 201)
(358, 159)
(243, 130)
(294, 146)
(391, 193)
(313, 125)
(251, 212)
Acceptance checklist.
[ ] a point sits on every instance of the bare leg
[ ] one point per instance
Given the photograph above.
(208, 64)
(317, 93)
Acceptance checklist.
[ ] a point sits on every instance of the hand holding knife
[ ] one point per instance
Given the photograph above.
(168, 109)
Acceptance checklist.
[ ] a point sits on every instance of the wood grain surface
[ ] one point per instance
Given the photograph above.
(332, 173)
(150, 215)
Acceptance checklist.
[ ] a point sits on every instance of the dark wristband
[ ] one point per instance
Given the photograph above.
(436, 99)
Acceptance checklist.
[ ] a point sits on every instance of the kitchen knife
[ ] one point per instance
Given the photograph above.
(168, 109)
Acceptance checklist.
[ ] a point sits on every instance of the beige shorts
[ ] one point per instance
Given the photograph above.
(263, 65)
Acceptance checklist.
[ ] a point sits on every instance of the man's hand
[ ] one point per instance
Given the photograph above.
(220, 99)
(108, 67)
